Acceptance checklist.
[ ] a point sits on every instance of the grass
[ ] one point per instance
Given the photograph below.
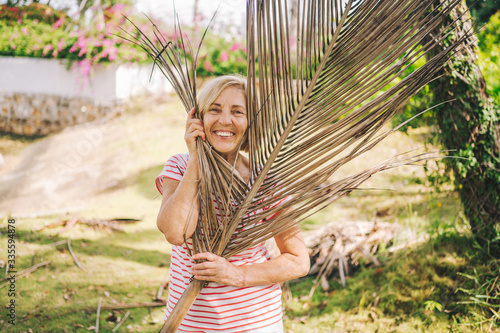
(430, 287)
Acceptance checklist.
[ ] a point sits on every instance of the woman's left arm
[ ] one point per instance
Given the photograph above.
(292, 263)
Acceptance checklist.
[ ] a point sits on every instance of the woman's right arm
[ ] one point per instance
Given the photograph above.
(180, 198)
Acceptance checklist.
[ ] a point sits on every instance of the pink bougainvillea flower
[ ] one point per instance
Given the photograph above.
(112, 54)
(224, 56)
(25, 31)
(58, 23)
(207, 65)
(13, 46)
(46, 49)
(81, 43)
(61, 45)
(235, 47)
(107, 43)
(118, 8)
(82, 52)
(85, 66)
(55, 53)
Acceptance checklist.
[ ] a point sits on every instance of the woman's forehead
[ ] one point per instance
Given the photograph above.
(231, 96)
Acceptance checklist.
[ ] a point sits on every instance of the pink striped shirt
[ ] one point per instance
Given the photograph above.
(219, 308)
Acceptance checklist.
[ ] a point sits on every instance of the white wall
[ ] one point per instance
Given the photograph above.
(132, 79)
(51, 77)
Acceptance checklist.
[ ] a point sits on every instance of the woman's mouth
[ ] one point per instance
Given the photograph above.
(224, 134)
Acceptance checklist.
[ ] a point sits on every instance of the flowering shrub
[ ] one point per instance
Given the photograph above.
(34, 11)
(40, 31)
(219, 56)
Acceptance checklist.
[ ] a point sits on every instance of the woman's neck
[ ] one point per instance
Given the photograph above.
(231, 158)
(240, 164)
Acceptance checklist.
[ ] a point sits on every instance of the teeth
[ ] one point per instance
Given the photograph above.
(227, 134)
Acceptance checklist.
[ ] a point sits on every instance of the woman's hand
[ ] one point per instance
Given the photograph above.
(194, 129)
(217, 269)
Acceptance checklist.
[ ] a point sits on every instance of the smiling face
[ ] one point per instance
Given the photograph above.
(225, 122)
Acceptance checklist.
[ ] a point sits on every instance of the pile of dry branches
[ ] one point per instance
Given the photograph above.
(340, 247)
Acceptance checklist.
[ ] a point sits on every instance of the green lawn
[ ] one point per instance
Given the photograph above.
(420, 289)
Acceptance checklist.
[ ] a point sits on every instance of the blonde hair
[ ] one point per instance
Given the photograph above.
(213, 88)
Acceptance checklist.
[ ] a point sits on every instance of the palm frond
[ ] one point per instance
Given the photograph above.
(312, 108)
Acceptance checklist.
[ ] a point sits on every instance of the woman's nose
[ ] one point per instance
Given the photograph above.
(225, 118)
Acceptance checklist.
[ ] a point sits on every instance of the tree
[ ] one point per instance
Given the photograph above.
(482, 10)
(470, 126)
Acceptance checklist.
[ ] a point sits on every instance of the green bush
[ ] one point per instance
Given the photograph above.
(219, 56)
(40, 31)
(489, 55)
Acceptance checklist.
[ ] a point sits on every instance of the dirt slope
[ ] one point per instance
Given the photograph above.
(69, 170)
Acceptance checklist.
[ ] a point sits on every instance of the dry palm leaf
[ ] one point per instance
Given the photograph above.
(311, 110)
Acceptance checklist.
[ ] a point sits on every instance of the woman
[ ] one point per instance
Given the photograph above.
(244, 292)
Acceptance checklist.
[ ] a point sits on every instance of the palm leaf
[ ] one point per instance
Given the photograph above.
(311, 110)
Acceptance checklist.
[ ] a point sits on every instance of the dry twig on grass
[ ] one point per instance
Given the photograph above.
(121, 322)
(98, 314)
(111, 224)
(73, 255)
(25, 272)
(162, 287)
(133, 305)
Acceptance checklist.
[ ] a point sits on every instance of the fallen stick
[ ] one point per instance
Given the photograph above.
(162, 286)
(69, 224)
(52, 225)
(122, 321)
(111, 223)
(57, 243)
(125, 220)
(98, 314)
(133, 305)
(73, 255)
(26, 271)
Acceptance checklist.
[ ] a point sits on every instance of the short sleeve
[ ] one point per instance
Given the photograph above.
(173, 169)
(276, 204)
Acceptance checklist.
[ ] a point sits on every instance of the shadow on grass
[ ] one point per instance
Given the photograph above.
(104, 247)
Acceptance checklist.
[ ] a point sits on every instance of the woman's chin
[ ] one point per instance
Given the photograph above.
(224, 150)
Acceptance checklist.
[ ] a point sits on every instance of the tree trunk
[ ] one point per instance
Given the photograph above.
(470, 125)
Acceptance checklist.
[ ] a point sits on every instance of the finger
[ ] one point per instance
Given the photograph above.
(194, 121)
(204, 278)
(193, 127)
(194, 124)
(191, 113)
(204, 272)
(196, 134)
(205, 256)
(204, 265)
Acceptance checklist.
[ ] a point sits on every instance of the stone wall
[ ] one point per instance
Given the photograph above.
(41, 114)
(41, 96)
